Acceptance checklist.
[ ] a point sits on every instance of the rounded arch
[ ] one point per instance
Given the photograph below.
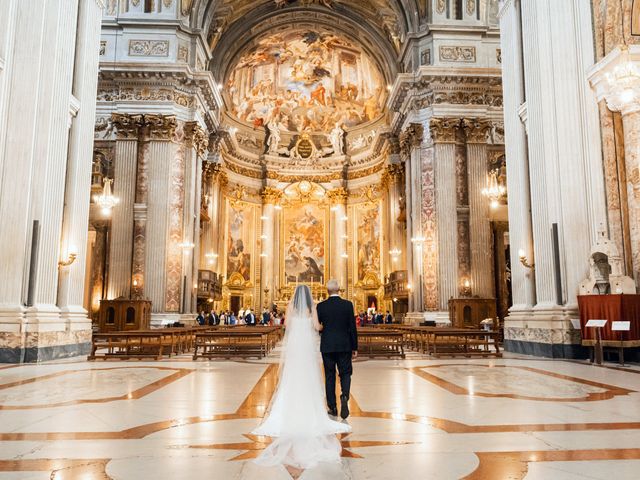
(242, 34)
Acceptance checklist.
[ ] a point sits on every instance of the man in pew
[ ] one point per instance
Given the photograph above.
(200, 318)
(213, 319)
(388, 318)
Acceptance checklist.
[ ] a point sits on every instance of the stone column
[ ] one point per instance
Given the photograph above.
(124, 188)
(338, 199)
(77, 195)
(196, 149)
(410, 143)
(444, 133)
(624, 96)
(211, 190)
(482, 283)
(270, 197)
(520, 227)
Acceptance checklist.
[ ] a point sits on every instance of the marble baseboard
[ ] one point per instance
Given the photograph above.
(548, 350)
(43, 354)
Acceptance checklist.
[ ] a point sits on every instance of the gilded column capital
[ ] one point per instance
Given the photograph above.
(444, 130)
(338, 195)
(215, 140)
(160, 127)
(477, 129)
(271, 195)
(411, 137)
(210, 171)
(127, 126)
(195, 137)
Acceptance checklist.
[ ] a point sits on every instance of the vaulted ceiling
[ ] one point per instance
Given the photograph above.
(381, 26)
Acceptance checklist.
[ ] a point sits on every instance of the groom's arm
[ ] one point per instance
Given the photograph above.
(353, 331)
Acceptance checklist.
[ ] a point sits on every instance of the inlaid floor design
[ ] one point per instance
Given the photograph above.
(511, 418)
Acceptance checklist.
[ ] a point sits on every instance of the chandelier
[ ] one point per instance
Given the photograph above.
(624, 78)
(106, 201)
(494, 191)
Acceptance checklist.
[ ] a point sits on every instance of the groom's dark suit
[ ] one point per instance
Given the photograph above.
(339, 339)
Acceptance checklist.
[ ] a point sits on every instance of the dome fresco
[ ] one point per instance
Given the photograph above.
(306, 81)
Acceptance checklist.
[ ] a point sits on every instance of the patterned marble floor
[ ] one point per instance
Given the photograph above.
(511, 418)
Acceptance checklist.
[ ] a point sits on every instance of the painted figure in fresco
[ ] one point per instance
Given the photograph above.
(304, 251)
(368, 244)
(309, 81)
(274, 136)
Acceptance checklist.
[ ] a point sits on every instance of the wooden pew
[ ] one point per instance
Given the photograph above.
(236, 342)
(127, 345)
(380, 342)
(462, 343)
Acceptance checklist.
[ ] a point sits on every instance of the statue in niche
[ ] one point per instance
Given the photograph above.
(336, 138)
(274, 136)
(605, 270)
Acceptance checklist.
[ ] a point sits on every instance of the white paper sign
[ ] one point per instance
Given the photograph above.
(596, 323)
(575, 323)
(621, 326)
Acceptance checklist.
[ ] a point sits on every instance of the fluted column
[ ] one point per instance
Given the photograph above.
(479, 226)
(77, 195)
(48, 188)
(444, 133)
(338, 198)
(410, 144)
(523, 287)
(196, 149)
(270, 197)
(124, 188)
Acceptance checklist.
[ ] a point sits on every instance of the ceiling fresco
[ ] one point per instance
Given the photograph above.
(306, 81)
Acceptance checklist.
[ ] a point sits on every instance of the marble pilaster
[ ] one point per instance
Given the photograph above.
(270, 197)
(444, 133)
(124, 188)
(518, 184)
(479, 225)
(77, 199)
(338, 199)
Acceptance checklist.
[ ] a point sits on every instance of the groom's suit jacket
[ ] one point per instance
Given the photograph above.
(339, 333)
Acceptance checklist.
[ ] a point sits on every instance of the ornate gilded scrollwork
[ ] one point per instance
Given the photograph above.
(271, 195)
(411, 137)
(161, 127)
(196, 137)
(444, 130)
(338, 195)
(477, 129)
(126, 126)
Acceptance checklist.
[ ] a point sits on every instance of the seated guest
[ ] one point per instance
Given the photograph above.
(200, 318)
(265, 317)
(388, 318)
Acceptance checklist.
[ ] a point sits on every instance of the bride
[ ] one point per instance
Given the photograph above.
(302, 432)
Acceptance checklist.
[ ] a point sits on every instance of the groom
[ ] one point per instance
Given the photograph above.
(339, 345)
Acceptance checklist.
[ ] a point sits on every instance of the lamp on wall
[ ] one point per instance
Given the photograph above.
(106, 201)
(395, 254)
(71, 257)
(524, 261)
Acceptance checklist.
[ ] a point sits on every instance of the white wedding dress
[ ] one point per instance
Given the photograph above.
(302, 432)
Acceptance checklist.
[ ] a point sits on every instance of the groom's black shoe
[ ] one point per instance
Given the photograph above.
(333, 412)
(344, 406)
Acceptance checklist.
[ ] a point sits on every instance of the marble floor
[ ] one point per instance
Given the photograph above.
(510, 418)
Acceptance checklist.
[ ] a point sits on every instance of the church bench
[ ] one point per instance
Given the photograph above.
(228, 343)
(374, 342)
(462, 343)
(127, 345)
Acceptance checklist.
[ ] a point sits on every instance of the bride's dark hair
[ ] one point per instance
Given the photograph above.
(302, 298)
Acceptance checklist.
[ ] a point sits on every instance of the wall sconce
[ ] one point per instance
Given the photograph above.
(345, 218)
(344, 255)
(409, 287)
(186, 245)
(395, 254)
(277, 207)
(71, 257)
(264, 218)
(524, 261)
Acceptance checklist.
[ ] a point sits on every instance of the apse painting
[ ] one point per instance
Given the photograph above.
(239, 243)
(304, 244)
(368, 241)
(304, 80)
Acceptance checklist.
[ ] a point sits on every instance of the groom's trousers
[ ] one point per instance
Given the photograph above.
(343, 361)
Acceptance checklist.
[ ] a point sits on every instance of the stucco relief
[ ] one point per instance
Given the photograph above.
(149, 48)
(457, 54)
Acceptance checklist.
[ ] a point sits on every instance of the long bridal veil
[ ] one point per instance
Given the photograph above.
(302, 432)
